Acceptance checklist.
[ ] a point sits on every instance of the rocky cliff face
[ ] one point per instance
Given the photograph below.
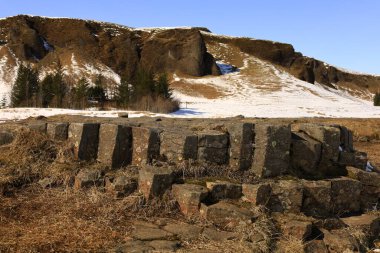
(44, 41)
(302, 67)
(88, 48)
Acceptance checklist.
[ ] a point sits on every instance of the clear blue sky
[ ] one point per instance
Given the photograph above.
(345, 33)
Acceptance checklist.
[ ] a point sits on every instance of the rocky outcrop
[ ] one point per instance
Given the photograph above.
(49, 41)
(302, 67)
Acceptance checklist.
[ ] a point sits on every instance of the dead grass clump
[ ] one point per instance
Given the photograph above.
(59, 219)
(155, 104)
(139, 207)
(27, 157)
(290, 245)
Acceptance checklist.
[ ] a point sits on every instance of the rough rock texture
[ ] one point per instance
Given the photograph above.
(145, 145)
(345, 195)
(220, 190)
(155, 181)
(213, 147)
(330, 139)
(58, 131)
(38, 126)
(43, 41)
(177, 145)
(317, 198)
(367, 223)
(294, 227)
(115, 145)
(340, 241)
(6, 138)
(85, 137)
(370, 194)
(87, 178)
(189, 197)
(272, 150)
(241, 145)
(302, 67)
(180, 50)
(226, 214)
(121, 186)
(258, 194)
(305, 154)
(287, 196)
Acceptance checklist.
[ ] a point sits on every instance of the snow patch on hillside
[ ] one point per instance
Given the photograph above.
(284, 96)
(8, 73)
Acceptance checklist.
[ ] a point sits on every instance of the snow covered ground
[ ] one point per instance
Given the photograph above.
(281, 96)
(284, 97)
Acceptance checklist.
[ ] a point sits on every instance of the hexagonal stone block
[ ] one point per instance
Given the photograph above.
(145, 145)
(227, 215)
(115, 145)
(317, 198)
(345, 195)
(155, 181)
(258, 194)
(85, 137)
(87, 178)
(220, 190)
(329, 136)
(178, 145)
(272, 149)
(58, 131)
(213, 147)
(287, 196)
(189, 197)
(241, 145)
(305, 154)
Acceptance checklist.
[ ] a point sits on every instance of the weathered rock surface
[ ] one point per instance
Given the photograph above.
(370, 194)
(330, 139)
(115, 145)
(241, 145)
(5, 138)
(259, 194)
(287, 196)
(272, 150)
(87, 178)
(220, 190)
(340, 241)
(121, 186)
(177, 145)
(305, 154)
(317, 198)
(189, 197)
(345, 195)
(85, 137)
(58, 131)
(146, 145)
(155, 181)
(213, 147)
(227, 215)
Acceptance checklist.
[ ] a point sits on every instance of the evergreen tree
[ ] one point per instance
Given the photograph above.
(58, 88)
(162, 87)
(47, 90)
(81, 93)
(376, 99)
(143, 83)
(97, 92)
(25, 88)
(123, 93)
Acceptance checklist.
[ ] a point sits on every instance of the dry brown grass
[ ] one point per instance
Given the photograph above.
(197, 90)
(290, 245)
